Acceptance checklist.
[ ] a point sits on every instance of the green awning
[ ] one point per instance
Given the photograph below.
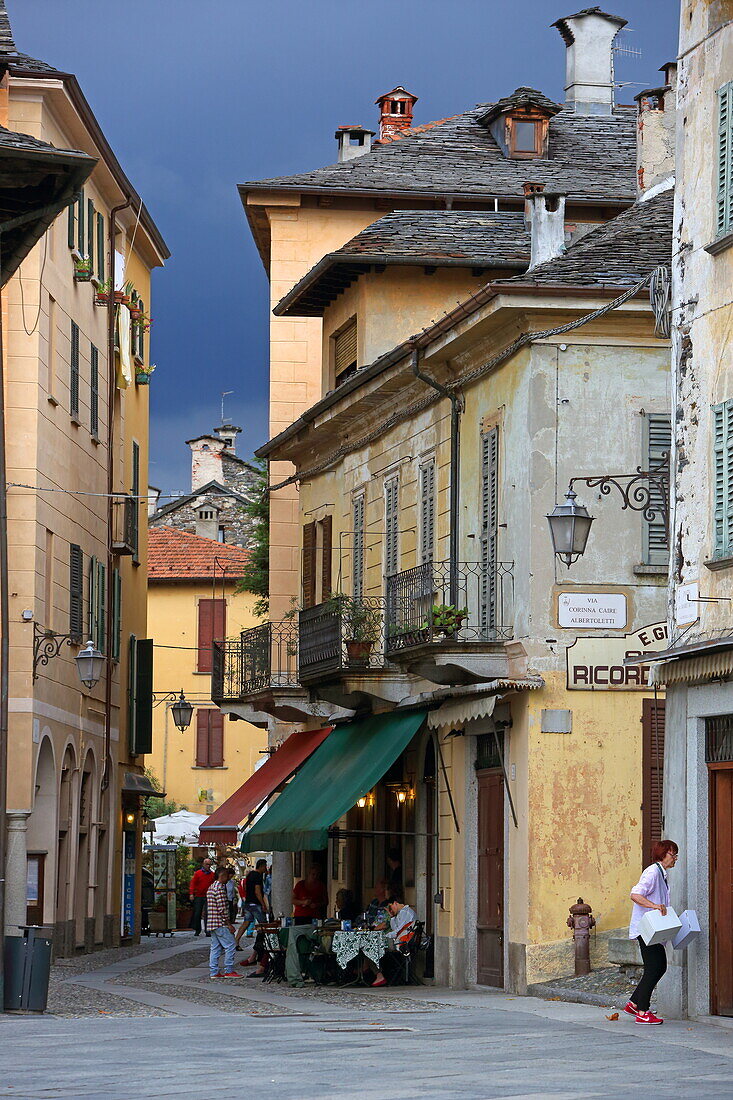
(347, 765)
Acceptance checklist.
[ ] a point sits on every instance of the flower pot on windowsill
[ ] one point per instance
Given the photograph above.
(142, 378)
(135, 314)
(358, 652)
(121, 298)
(82, 273)
(101, 299)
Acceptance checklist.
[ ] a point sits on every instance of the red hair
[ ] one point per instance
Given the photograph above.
(661, 848)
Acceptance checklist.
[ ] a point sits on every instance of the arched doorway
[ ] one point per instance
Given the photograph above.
(65, 870)
(84, 850)
(41, 839)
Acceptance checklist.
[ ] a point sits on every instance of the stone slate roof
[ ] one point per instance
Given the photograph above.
(566, 32)
(521, 97)
(590, 158)
(9, 53)
(618, 253)
(440, 238)
(175, 555)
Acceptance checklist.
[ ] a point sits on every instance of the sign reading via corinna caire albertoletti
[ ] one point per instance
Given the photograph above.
(597, 664)
(592, 610)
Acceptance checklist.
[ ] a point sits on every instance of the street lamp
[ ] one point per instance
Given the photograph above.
(89, 664)
(569, 528)
(182, 712)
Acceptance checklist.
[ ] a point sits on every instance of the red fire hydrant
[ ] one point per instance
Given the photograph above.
(581, 921)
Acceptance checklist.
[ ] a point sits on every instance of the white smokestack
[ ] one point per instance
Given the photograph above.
(588, 36)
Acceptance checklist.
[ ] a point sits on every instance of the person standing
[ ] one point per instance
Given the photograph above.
(220, 927)
(651, 892)
(254, 905)
(199, 884)
(231, 889)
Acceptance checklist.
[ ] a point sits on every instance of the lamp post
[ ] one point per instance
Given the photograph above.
(182, 712)
(569, 528)
(47, 645)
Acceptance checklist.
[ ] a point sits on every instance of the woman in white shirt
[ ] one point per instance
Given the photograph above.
(651, 892)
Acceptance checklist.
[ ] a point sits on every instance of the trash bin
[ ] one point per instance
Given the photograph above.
(27, 969)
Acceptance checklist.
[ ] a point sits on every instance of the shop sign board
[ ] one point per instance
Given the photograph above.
(597, 664)
(592, 610)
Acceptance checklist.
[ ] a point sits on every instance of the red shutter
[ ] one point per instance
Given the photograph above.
(309, 564)
(216, 739)
(327, 528)
(212, 626)
(202, 738)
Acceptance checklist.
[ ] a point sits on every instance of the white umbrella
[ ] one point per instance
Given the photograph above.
(181, 827)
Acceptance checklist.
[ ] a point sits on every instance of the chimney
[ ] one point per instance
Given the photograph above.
(207, 521)
(588, 36)
(395, 112)
(353, 141)
(153, 499)
(206, 463)
(655, 131)
(228, 433)
(545, 214)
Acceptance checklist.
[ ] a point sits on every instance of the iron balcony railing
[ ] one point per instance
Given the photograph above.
(420, 608)
(261, 658)
(342, 634)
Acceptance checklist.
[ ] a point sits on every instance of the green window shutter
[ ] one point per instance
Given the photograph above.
(71, 224)
(76, 592)
(74, 373)
(725, 159)
(723, 480)
(116, 615)
(391, 527)
(93, 599)
(90, 232)
(144, 697)
(94, 392)
(657, 444)
(141, 333)
(80, 236)
(100, 631)
(131, 695)
(136, 495)
(100, 247)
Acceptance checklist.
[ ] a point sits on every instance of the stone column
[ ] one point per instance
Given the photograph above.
(282, 883)
(16, 871)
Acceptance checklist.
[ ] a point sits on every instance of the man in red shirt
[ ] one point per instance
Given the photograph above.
(310, 898)
(199, 884)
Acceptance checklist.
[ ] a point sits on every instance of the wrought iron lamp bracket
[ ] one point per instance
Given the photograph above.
(645, 491)
(47, 645)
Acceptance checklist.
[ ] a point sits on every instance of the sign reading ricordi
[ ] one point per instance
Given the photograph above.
(597, 664)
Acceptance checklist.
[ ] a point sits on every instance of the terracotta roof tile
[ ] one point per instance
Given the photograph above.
(175, 555)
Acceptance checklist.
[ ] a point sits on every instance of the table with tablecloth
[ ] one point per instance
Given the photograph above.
(347, 945)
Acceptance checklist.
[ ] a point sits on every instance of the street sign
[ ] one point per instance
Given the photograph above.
(597, 664)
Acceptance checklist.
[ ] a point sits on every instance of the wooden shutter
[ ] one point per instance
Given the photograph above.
(309, 564)
(658, 443)
(94, 392)
(327, 533)
(144, 697)
(723, 479)
(427, 511)
(136, 498)
(100, 635)
(725, 159)
(131, 693)
(652, 821)
(344, 351)
(140, 329)
(80, 236)
(391, 527)
(211, 627)
(489, 528)
(76, 592)
(90, 233)
(116, 615)
(216, 739)
(358, 536)
(93, 578)
(100, 247)
(74, 371)
(71, 223)
(202, 738)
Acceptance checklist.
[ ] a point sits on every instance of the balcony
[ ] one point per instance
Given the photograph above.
(454, 633)
(255, 677)
(125, 525)
(341, 654)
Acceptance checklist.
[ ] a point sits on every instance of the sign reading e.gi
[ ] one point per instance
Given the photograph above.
(597, 664)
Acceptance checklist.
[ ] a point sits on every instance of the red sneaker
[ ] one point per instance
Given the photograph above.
(379, 982)
(631, 1009)
(233, 974)
(648, 1018)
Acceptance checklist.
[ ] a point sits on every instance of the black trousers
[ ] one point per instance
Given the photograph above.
(655, 965)
(198, 915)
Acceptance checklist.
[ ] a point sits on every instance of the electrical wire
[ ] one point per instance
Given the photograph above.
(29, 332)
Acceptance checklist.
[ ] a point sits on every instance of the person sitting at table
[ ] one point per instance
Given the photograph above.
(401, 919)
(346, 907)
(310, 898)
(378, 905)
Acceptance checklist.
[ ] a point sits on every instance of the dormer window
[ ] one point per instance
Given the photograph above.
(520, 124)
(524, 137)
(344, 344)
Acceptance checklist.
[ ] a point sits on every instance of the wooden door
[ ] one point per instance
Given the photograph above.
(652, 763)
(35, 888)
(490, 926)
(721, 892)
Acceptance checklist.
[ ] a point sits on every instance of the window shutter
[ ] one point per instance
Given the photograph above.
(658, 444)
(74, 376)
(144, 697)
(131, 694)
(90, 232)
(652, 825)
(391, 527)
(202, 738)
(723, 479)
(327, 532)
(100, 247)
(427, 511)
(136, 497)
(80, 236)
(725, 159)
(216, 739)
(140, 331)
(71, 223)
(100, 633)
(309, 564)
(489, 527)
(93, 579)
(358, 522)
(76, 592)
(94, 392)
(212, 626)
(116, 615)
(345, 349)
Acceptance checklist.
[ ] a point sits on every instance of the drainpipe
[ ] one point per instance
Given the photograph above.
(111, 387)
(456, 407)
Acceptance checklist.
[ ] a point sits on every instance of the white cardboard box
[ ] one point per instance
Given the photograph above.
(689, 931)
(654, 928)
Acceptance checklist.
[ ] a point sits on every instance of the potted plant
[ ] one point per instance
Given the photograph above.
(142, 374)
(447, 619)
(361, 625)
(102, 293)
(82, 269)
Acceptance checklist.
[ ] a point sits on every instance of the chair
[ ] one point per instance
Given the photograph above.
(403, 960)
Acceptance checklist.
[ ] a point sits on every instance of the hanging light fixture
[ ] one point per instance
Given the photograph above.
(569, 528)
(89, 664)
(182, 712)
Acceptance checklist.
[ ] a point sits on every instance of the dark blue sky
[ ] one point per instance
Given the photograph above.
(197, 96)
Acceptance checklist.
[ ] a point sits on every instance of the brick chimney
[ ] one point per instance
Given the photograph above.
(353, 141)
(588, 36)
(395, 112)
(206, 460)
(655, 131)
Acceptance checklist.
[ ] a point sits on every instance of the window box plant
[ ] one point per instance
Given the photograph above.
(142, 374)
(102, 293)
(447, 619)
(361, 626)
(82, 269)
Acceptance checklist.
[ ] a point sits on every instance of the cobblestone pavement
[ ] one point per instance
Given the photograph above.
(610, 986)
